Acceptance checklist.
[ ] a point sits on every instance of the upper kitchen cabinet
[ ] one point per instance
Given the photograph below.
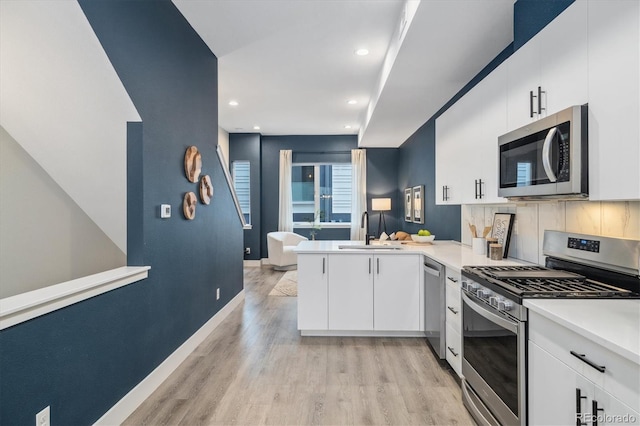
(549, 73)
(467, 144)
(614, 99)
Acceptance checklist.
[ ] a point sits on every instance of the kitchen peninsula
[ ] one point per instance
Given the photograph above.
(347, 288)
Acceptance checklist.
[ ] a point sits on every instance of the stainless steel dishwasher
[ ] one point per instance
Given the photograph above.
(434, 305)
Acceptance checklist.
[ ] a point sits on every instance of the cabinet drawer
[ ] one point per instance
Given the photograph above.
(454, 350)
(620, 377)
(453, 306)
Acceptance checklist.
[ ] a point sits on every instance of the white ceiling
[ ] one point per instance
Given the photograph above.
(290, 64)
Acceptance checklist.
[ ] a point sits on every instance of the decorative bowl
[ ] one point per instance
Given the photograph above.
(422, 239)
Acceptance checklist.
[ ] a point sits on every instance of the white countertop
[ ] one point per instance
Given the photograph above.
(614, 324)
(450, 253)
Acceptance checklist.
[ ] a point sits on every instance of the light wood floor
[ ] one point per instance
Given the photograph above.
(256, 369)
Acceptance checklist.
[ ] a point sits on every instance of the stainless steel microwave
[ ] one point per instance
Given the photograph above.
(547, 158)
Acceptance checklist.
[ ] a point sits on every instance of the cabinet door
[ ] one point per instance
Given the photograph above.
(396, 297)
(553, 390)
(523, 76)
(614, 99)
(563, 56)
(611, 411)
(448, 161)
(454, 350)
(488, 120)
(312, 292)
(350, 291)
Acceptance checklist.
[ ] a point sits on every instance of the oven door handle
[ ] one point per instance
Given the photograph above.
(494, 318)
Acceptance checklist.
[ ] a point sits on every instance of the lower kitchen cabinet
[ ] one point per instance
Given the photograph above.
(570, 376)
(453, 321)
(312, 292)
(559, 395)
(374, 292)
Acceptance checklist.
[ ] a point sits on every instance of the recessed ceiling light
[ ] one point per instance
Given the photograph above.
(352, 102)
(362, 52)
(347, 126)
(256, 127)
(233, 103)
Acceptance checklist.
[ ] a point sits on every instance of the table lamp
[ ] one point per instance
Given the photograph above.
(381, 205)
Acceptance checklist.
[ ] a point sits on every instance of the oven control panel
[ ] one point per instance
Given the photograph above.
(584, 244)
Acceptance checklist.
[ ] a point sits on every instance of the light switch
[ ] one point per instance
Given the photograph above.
(165, 211)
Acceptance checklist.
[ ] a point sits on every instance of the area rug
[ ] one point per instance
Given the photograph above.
(287, 286)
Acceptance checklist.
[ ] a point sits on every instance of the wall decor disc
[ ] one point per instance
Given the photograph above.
(189, 205)
(192, 164)
(206, 189)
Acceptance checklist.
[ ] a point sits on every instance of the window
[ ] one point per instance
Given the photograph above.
(321, 192)
(242, 184)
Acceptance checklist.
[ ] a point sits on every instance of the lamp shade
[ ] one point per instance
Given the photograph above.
(381, 204)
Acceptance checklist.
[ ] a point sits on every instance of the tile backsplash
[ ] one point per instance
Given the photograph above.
(610, 218)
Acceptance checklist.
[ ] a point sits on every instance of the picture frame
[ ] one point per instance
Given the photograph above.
(501, 229)
(408, 205)
(417, 193)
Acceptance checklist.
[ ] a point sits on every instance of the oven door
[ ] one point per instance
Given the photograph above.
(493, 363)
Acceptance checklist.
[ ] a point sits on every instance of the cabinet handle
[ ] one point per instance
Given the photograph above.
(445, 193)
(452, 279)
(540, 92)
(531, 96)
(583, 358)
(369, 266)
(452, 351)
(378, 265)
(594, 412)
(452, 310)
(323, 265)
(480, 194)
(579, 398)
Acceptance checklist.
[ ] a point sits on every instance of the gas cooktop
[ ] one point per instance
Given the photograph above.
(517, 282)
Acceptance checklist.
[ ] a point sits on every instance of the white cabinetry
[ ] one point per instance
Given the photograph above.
(397, 292)
(351, 292)
(312, 292)
(614, 100)
(549, 73)
(359, 292)
(453, 321)
(562, 386)
(467, 144)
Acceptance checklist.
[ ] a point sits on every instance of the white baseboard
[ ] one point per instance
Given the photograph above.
(265, 261)
(132, 400)
(252, 263)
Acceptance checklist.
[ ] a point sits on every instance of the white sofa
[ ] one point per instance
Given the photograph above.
(280, 247)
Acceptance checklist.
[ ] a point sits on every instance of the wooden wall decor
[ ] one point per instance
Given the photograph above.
(192, 164)
(206, 189)
(189, 205)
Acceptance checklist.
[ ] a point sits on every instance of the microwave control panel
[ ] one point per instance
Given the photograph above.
(584, 245)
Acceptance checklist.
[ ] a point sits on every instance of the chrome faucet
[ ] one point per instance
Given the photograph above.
(365, 216)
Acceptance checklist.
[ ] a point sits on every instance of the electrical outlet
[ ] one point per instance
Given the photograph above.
(42, 418)
(247, 250)
(217, 294)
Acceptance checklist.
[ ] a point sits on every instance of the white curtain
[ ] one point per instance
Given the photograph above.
(285, 216)
(359, 191)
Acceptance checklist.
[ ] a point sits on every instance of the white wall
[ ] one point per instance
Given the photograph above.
(62, 101)
(46, 237)
(223, 143)
(613, 219)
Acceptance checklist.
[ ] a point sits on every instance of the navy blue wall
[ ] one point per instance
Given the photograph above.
(530, 16)
(317, 148)
(247, 147)
(82, 359)
(382, 182)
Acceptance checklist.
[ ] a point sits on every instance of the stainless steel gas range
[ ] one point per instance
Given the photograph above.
(494, 363)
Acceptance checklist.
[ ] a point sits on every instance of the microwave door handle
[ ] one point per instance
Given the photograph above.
(546, 155)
